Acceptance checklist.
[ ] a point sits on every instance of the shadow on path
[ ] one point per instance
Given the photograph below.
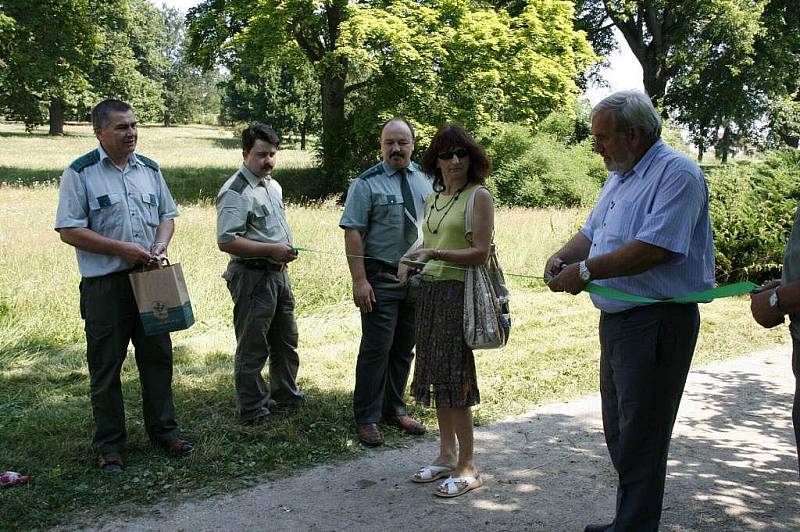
(732, 467)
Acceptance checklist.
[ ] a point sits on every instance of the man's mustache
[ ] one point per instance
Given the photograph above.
(398, 153)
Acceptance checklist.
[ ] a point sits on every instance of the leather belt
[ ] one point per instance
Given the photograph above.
(260, 264)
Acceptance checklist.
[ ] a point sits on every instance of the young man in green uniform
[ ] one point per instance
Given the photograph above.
(115, 209)
(252, 228)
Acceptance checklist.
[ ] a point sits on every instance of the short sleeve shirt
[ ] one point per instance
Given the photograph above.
(122, 204)
(791, 267)
(374, 207)
(251, 207)
(663, 201)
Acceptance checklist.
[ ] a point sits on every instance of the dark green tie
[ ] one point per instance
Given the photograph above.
(410, 214)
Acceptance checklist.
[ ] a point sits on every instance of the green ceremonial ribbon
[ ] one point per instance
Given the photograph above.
(729, 290)
(736, 289)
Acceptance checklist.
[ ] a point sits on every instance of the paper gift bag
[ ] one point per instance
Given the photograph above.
(162, 298)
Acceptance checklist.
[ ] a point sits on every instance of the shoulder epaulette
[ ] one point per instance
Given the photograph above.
(375, 170)
(148, 162)
(239, 183)
(85, 161)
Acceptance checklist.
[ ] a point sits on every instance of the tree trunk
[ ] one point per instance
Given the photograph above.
(725, 143)
(303, 137)
(647, 21)
(334, 134)
(653, 77)
(701, 150)
(56, 113)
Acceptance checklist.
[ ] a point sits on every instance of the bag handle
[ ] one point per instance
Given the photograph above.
(158, 265)
(468, 214)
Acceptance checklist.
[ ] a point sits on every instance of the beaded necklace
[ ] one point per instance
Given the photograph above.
(446, 208)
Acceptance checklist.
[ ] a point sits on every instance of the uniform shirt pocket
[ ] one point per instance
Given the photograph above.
(262, 217)
(388, 208)
(150, 208)
(103, 211)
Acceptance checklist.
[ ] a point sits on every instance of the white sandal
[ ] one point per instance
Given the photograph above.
(455, 486)
(431, 473)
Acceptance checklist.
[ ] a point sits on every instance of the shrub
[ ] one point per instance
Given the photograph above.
(752, 210)
(540, 170)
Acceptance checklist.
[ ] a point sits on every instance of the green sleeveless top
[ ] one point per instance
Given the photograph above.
(443, 228)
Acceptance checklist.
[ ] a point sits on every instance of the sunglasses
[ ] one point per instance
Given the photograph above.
(458, 152)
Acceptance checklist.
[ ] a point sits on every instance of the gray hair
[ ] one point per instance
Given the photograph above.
(632, 109)
(101, 113)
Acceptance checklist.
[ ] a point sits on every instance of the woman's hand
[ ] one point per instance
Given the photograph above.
(418, 255)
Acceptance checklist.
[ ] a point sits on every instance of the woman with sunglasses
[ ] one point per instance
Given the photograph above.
(444, 373)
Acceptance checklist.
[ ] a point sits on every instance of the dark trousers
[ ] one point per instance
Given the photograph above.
(265, 326)
(111, 322)
(385, 355)
(645, 354)
(796, 407)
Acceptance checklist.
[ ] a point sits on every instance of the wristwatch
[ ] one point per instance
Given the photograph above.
(584, 273)
(774, 304)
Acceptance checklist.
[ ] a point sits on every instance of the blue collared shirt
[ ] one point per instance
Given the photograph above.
(663, 201)
(126, 205)
(374, 207)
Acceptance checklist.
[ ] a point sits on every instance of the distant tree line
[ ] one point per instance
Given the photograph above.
(327, 72)
(59, 57)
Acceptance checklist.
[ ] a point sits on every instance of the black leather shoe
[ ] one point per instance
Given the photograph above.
(596, 528)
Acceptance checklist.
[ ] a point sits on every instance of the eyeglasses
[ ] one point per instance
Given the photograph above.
(458, 152)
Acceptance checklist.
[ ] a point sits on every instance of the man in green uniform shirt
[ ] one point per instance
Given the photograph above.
(252, 228)
(115, 209)
(381, 221)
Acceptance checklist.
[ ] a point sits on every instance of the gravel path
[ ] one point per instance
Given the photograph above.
(732, 467)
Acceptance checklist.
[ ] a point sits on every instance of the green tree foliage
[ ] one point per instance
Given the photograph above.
(189, 94)
(752, 209)
(128, 64)
(432, 61)
(281, 94)
(59, 57)
(784, 116)
(738, 54)
(47, 51)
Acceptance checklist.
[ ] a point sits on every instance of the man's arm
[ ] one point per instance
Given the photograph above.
(788, 300)
(164, 234)
(244, 247)
(576, 250)
(87, 240)
(632, 258)
(363, 295)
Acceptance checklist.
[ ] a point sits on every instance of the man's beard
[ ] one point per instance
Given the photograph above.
(622, 166)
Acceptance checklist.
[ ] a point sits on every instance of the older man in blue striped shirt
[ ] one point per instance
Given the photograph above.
(650, 235)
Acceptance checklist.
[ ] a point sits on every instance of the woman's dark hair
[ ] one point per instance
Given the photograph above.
(258, 131)
(455, 136)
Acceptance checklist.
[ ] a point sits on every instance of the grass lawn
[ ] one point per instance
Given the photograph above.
(45, 416)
